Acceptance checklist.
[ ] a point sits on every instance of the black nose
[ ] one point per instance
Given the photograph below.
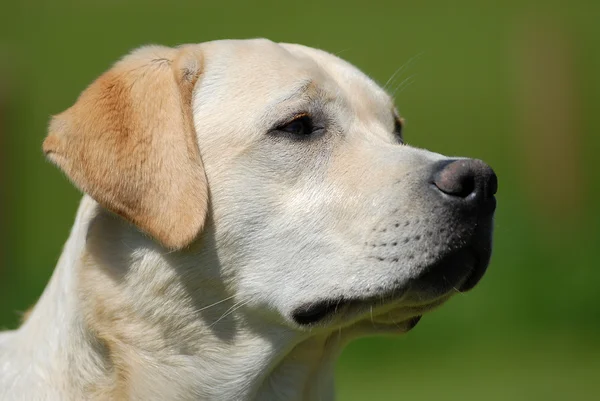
(469, 181)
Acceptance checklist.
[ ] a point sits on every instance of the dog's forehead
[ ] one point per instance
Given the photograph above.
(262, 67)
(367, 97)
(346, 74)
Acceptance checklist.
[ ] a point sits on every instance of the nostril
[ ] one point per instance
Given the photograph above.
(467, 179)
(461, 187)
(456, 178)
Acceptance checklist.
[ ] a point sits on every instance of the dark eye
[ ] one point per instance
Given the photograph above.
(301, 126)
(398, 125)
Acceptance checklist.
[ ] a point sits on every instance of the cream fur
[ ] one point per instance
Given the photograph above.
(148, 305)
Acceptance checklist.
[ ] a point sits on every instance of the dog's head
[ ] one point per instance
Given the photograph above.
(294, 162)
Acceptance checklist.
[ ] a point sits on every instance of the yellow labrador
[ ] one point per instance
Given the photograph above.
(250, 208)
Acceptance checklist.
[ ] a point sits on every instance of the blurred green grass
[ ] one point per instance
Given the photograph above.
(480, 80)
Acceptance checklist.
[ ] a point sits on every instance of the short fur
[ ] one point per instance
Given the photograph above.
(162, 295)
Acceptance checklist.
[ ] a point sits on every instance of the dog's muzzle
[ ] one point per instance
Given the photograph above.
(468, 186)
(464, 189)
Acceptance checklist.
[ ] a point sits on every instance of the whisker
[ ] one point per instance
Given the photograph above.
(229, 311)
(216, 303)
(342, 51)
(336, 305)
(396, 324)
(402, 68)
(393, 76)
(404, 84)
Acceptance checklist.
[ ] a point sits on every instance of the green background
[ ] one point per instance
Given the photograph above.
(516, 83)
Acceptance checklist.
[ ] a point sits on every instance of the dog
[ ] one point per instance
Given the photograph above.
(249, 208)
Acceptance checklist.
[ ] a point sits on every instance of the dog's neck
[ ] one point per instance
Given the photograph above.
(141, 324)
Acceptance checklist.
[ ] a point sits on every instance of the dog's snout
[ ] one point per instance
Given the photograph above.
(469, 180)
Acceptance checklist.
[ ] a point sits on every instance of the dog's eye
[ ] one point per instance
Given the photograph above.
(301, 126)
(398, 125)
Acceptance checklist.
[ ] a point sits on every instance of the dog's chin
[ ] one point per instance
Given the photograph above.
(396, 317)
(400, 318)
(399, 309)
(392, 312)
(368, 327)
(369, 317)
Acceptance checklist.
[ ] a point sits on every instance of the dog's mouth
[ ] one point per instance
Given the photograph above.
(347, 312)
(404, 318)
(401, 306)
(379, 311)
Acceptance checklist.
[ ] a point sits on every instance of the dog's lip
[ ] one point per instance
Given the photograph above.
(412, 323)
(389, 309)
(413, 298)
(395, 327)
(403, 312)
(479, 267)
(457, 271)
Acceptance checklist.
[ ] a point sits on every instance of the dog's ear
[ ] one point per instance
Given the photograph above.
(129, 142)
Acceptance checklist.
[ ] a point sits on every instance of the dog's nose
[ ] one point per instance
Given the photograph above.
(469, 181)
